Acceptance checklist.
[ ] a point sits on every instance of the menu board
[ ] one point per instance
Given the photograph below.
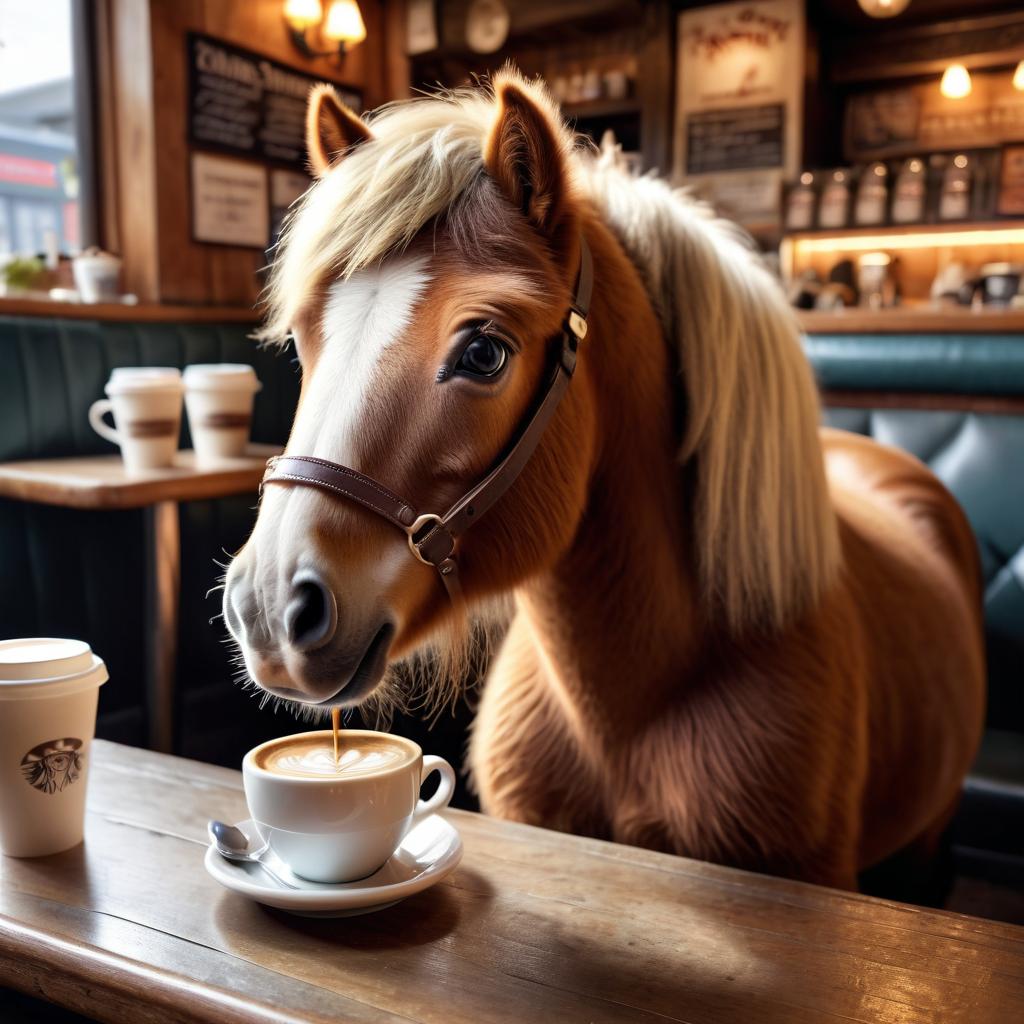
(242, 103)
(741, 138)
(739, 109)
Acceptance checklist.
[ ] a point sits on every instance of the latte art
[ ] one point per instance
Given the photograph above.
(320, 761)
(313, 755)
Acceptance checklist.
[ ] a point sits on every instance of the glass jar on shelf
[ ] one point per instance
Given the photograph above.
(910, 193)
(957, 189)
(801, 204)
(834, 208)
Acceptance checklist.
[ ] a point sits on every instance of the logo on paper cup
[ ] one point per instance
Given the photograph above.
(54, 765)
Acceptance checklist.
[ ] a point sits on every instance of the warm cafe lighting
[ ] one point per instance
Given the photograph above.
(883, 8)
(343, 24)
(1018, 77)
(956, 82)
(303, 14)
(910, 240)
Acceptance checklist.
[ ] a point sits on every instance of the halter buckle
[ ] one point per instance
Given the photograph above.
(416, 526)
(577, 323)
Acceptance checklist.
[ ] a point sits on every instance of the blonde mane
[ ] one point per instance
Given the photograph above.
(763, 531)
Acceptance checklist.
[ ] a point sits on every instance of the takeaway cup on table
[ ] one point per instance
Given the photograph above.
(146, 405)
(48, 694)
(219, 397)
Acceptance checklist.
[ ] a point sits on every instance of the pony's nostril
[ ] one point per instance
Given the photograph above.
(311, 616)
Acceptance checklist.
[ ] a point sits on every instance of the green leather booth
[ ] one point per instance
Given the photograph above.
(68, 572)
(979, 455)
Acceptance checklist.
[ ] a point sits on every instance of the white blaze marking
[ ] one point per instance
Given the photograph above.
(362, 318)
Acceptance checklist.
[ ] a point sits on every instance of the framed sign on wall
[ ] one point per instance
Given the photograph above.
(230, 204)
(740, 104)
(242, 103)
(247, 130)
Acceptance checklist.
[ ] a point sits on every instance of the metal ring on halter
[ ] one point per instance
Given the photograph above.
(415, 527)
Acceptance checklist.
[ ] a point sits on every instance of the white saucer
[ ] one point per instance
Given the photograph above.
(430, 852)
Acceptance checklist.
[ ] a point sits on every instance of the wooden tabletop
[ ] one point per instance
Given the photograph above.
(100, 481)
(534, 926)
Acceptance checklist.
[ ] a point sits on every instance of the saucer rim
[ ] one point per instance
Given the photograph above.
(342, 894)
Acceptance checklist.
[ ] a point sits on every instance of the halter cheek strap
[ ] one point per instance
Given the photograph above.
(433, 538)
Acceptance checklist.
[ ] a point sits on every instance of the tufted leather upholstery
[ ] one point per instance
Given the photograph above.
(980, 457)
(50, 373)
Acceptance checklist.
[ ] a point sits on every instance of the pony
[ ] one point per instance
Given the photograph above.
(730, 634)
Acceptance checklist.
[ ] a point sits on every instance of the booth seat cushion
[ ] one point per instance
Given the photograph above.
(959, 364)
(980, 458)
(70, 572)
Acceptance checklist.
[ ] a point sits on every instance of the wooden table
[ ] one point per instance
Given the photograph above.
(101, 482)
(534, 926)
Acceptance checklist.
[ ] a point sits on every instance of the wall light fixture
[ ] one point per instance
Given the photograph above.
(342, 26)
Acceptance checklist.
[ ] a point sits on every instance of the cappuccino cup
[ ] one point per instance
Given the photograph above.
(338, 821)
(48, 695)
(219, 398)
(145, 402)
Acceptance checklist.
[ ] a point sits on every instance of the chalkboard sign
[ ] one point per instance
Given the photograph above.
(741, 139)
(242, 103)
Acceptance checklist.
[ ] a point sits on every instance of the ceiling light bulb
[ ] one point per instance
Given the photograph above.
(883, 8)
(956, 82)
(1018, 77)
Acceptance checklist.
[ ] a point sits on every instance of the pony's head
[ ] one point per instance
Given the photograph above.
(422, 277)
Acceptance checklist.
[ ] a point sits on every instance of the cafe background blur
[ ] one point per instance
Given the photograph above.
(874, 149)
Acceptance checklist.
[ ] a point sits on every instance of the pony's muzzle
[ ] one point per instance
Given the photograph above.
(311, 614)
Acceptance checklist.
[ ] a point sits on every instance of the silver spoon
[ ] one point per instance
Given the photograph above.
(233, 844)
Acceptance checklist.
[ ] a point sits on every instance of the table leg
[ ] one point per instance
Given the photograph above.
(163, 554)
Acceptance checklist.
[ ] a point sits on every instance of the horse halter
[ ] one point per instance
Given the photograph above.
(432, 537)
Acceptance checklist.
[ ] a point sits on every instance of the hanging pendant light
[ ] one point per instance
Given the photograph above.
(956, 82)
(1018, 77)
(883, 8)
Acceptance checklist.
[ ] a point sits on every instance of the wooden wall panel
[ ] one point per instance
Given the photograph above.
(149, 129)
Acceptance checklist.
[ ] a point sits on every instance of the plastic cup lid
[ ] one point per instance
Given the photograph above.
(143, 378)
(46, 661)
(221, 377)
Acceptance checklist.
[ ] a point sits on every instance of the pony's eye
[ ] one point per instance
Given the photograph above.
(484, 356)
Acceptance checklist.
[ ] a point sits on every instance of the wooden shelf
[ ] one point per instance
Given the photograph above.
(920, 320)
(600, 108)
(123, 312)
(889, 230)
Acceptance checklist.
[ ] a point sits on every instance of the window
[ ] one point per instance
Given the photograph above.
(40, 211)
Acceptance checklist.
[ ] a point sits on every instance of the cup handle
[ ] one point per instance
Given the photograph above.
(443, 796)
(97, 411)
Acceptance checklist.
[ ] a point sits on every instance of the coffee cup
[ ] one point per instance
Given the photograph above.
(219, 398)
(48, 694)
(145, 402)
(338, 821)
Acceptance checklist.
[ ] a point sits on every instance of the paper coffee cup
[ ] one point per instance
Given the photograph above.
(219, 398)
(145, 402)
(48, 694)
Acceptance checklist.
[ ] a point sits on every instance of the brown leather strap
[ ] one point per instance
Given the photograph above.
(305, 469)
(432, 538)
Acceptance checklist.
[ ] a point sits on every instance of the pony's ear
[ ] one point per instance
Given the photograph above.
(524, 154)
(331, 128)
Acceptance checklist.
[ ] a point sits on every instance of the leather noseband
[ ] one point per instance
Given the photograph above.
(433, 537)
